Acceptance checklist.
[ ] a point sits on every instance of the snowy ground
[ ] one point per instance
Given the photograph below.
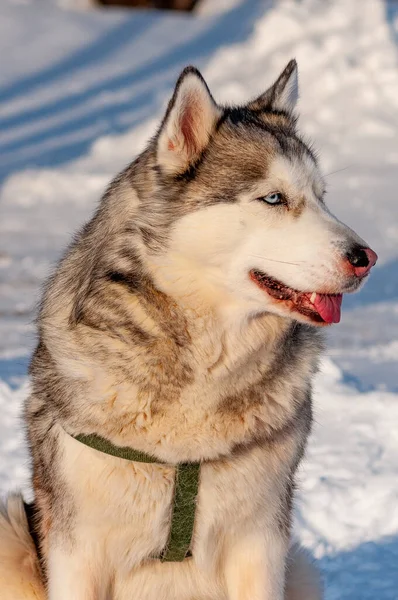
(80, 93)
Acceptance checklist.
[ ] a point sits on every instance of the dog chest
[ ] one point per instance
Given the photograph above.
(127, 506)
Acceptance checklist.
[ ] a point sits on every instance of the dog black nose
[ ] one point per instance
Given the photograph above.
(361, 259)
(358, 257)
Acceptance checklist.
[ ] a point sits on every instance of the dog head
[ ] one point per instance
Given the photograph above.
(247, 224)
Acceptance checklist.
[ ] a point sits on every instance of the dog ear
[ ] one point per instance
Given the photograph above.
(190, 119)
(283, 95)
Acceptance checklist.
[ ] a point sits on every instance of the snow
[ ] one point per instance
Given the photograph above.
(81, 92)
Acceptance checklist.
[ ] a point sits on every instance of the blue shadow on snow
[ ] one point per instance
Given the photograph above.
(12, 371)
(228, 28)
(391, 11)
(367, 572)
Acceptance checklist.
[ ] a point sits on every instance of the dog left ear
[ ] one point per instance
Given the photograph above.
(190, 120)
(283, 95)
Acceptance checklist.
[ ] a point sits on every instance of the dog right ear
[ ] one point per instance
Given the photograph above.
(189, 122)
(283, 95)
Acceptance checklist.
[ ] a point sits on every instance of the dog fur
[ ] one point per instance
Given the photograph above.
(153, 335)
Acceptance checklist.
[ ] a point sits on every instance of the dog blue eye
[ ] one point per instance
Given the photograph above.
(273, 199)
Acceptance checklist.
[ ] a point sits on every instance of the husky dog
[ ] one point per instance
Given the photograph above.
(184, 322)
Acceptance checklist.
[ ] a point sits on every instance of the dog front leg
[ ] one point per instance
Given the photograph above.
(255, 567)
(72, 574)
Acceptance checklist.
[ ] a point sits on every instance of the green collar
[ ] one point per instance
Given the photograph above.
(185, 494)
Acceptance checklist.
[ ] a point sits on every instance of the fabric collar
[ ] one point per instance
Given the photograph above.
(186, 489)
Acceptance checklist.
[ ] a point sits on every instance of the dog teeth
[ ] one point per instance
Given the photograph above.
(313, 296)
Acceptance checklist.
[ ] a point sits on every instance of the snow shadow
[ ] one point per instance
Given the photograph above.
(14, 371)
(45, 146)
(391, 10)
(103, 47)
(367, 572)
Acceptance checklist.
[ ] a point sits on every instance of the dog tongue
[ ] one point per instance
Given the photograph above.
(328, 306)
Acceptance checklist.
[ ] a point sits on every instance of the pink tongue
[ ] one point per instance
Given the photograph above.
(328, 307)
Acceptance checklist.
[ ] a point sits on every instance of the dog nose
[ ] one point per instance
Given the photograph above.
(362, 259)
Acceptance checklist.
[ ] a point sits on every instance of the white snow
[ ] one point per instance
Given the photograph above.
(81, 92)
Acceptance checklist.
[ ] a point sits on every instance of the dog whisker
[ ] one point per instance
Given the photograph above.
(337, 171)
(285, 262)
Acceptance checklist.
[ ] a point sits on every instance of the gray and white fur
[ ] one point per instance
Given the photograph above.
(153, 335)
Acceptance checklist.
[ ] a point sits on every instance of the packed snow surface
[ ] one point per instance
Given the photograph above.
(81, 92)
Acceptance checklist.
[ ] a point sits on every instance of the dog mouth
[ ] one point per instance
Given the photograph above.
(318, 308)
